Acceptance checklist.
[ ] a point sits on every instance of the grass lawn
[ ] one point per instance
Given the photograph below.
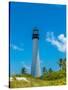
(36, 82)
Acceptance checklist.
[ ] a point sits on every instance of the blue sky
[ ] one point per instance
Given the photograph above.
(51, 22)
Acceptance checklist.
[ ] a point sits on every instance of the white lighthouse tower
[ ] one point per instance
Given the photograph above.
(35, 68)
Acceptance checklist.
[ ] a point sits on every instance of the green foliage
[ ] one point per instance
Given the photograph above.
(33, 82)
(48, 78)
(54, 75)
(50, 70)
(44, 70)
(14, 78)
(23, 71)
(62, 64)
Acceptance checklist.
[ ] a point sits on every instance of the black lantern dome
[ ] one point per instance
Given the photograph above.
(35, 33)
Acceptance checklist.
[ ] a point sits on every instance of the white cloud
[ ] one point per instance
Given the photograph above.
(59, 42)
(62, 38)
(15, 47)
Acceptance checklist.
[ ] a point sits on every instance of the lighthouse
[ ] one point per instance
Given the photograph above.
(35, 67)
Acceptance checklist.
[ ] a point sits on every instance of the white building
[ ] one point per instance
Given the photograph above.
(35, 68)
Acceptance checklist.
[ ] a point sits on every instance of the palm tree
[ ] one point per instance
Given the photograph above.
(60, 63)
(64, 64)
(23, 71)
(50, 73)
(50, 70)
(44, 70)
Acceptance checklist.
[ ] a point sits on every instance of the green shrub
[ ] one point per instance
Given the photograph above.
(54, 75)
